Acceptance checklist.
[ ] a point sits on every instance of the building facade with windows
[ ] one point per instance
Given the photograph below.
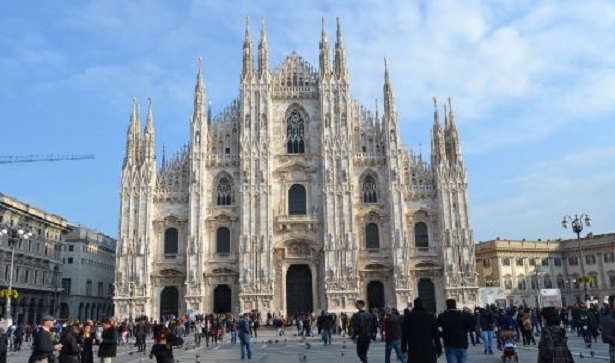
(524, 267)
(294, 198)
(88, 274)
(37, 264)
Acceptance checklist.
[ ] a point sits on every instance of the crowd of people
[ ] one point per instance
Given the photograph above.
(415, 335)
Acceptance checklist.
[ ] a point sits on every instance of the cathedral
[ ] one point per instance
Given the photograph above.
(295, 198)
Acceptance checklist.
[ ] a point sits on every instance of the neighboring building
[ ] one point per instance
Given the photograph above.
(524, 267)
(87, 274)
(37, 261)
(295, 198)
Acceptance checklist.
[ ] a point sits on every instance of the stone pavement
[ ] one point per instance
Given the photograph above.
(269, 348)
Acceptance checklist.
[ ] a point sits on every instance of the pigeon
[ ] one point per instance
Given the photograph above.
(308, 345)
(592, 353)
(581, 355)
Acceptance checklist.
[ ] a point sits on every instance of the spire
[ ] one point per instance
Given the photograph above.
(248, 61)
(199, 93)
(340, 57)
(263, 52)
(376, 121)
(148, 140)
(208, 114)
(451, 135)
(389, 106)
(324, 51)
(133, 136)
(438, 152)
(163, 163)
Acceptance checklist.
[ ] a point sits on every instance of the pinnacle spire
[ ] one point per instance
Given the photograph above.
(199, 92)
(324, 50)
(263, 51)
(133, 137)
(389, 107)
(340, 56)
(148, 140)
(436, 117)
(248, 62)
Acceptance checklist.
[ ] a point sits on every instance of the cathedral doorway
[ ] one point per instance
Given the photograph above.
(375, 294)
(169, 301)
(427, 293)
(222, 299)
(299, 296)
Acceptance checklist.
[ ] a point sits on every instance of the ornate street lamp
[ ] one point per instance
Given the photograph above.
(14, 234)
(577, 227)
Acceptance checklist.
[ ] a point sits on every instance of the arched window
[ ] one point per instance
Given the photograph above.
(612, 278)
(171, 241)
(297, 200)
(224, 192)
(370, 189)
(295, 142)
(508, 282)
(521, 282)
(421, 238)
(372, 237)
(223, 240)
(548, 284)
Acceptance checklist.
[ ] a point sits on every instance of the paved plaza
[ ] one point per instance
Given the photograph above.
(269, 348)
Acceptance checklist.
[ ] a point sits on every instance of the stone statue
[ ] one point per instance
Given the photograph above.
(349, 245)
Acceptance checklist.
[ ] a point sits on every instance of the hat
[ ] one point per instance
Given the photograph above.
(48, 318)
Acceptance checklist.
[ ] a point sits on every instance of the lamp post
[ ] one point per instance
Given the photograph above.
(14, 234)
(538, 280)
(577, 227)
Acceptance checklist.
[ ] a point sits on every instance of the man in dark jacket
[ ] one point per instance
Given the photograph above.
(362, 330)
(41, 345)
(107, 342)
(392, 327)
(608, 328)
(3, 346)
(140, 335)
(455, 327)
(420, 337)
(70, 344)
(486, 327)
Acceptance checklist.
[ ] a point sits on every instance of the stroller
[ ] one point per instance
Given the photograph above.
(507, 343)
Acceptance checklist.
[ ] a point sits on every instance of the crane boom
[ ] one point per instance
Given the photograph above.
(8, 159)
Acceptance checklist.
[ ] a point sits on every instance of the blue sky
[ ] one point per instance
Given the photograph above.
(532, 84)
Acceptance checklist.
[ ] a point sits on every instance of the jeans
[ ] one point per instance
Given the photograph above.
(488, 340)
(234, 336)
(456, 355)
(326, 336)
(390, 345)
(363, 347)
(197, 339)
(245, 344)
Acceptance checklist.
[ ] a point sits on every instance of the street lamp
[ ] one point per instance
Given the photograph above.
(538, 273)
(15, 234)
(577, 227)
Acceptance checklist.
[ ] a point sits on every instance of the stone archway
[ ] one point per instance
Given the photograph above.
(222, 299)
(427, 293)
(169, 301)
(375, 294)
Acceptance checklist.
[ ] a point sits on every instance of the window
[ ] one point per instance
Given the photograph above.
(573, 260)
(545, 261)
(70, 260)
(532, 261)
(521, 282)
(612, 278)
(548, 284)
(297, 200)
(534, 282)
(295, 143)
(66, 286)
(519, 261)
(223, 240)
(71, 248)
(486, 262)
(575, 281)
(421, 237)
(506, 261)
(561, 283)
(27, 277)
(557, 261)
(372, 237)
(224, 192)
(370, 189)
(508, 282)
(171, 241)
(101, 289)
(590, 259)
(609, 257)
(88, 288)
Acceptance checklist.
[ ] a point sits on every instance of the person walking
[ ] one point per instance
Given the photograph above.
(362, 330)
(198, 331)
(454, 327)
(107, 342)
(140, 334)
(392, 326)
(608, 328)
(86, 340)
(552, 346)
(3, 346)
(70, 344)
(420, 336)
(42, 348)
(485, 321)
(162, 349)
(244, 336)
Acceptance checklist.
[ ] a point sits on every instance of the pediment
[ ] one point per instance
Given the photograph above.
(295, 167)
(427, 265)
(376, 267)
(223, 271)
(171, 272)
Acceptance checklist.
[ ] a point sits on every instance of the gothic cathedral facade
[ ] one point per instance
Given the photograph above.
(294, 198)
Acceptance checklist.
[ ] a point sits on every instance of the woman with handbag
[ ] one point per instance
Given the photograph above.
(553, 344)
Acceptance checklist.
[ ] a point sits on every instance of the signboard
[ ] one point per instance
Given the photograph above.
(550, 297)
(491, 295)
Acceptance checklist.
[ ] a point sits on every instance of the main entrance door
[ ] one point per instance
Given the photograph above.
(299, 297)
(427, 293)
(169, 301)
(375, 295)
(222, 299)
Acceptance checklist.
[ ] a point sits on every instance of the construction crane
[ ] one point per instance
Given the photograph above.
(9, 159)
